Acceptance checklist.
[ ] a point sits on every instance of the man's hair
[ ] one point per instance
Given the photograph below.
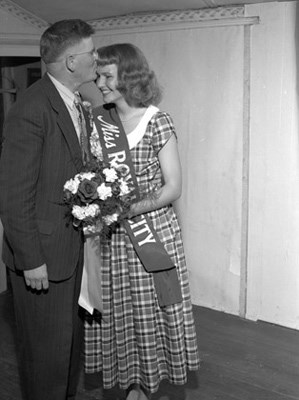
(62, 35)
(136, 82)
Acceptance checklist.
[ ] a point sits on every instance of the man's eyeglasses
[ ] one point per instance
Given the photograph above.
(92, 53)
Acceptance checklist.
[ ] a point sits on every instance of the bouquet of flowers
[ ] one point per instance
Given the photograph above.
(98, 197)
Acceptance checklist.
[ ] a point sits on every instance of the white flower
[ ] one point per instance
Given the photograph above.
(95, 145)
(92, 210)
(87, 175)
(110, 174)
(124, 188)
(109, 219)
(94, 228)
(86, 104)
(104, 191)
(78, 212)
(72, 185)
(114, 164)
(96, 150)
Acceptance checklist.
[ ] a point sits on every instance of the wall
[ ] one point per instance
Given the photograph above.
(273, 236)
(19, 33)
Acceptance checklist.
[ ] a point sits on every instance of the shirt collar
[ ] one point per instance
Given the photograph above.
(68, 96)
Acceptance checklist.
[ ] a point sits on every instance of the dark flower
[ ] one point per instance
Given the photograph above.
(126, 200)
(98, 179)
(122, 170)
(87, 191)
(67, 196)
(115, 188)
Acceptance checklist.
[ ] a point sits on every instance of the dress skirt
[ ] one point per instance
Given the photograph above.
(136, 341)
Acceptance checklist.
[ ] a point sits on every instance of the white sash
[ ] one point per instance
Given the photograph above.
(137, 134)
(91, 284)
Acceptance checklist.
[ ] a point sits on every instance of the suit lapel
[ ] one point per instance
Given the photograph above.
(71, 138)
(64, 121)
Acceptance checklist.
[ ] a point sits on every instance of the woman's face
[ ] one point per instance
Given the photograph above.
(107, 83)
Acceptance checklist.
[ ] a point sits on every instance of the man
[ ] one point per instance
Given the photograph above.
(42, 250)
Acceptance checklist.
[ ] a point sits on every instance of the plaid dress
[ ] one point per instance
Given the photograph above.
(136, 341)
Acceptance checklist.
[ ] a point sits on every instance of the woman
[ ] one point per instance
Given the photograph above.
(140, 340)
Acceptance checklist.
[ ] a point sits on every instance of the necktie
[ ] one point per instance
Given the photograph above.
(83, 132)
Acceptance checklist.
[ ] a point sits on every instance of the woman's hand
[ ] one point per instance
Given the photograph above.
(172, 177)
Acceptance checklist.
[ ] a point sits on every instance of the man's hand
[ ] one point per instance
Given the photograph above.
(37, 278)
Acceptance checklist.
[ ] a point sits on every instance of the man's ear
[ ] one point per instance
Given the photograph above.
(70, 63)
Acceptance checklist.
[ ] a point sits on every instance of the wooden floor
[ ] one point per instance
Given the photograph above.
(241, 360)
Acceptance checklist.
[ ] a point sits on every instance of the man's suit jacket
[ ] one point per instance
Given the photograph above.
(40, 153)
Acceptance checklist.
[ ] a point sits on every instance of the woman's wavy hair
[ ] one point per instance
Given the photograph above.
(136, 82)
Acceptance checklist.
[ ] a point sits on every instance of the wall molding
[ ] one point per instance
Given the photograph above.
(176, 19)
(23, 14)
(19, 39)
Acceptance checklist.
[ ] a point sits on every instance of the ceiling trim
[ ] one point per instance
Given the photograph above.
(136, 20)
(167, 19)
(23, 14)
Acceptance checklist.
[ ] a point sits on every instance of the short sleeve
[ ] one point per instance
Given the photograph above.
(163, 129)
